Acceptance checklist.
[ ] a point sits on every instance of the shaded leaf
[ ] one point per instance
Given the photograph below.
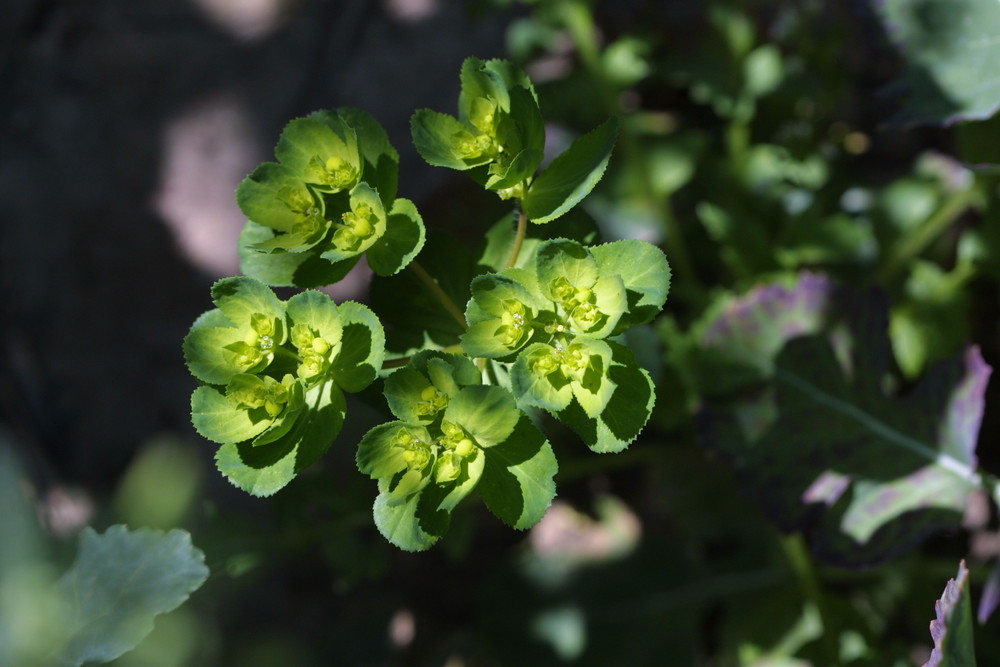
(865, 473)
(951, 51)
(287, 269)
(119, 582)
(362, 348)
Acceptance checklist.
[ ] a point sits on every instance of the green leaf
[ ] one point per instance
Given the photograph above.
(119, 582)
(572, 175)
(292, 269)
(362, 349)
(951, 49)
(436, 137)
(644, 270)
(404, 388)
(380, 458)
(381, 159)
(512, 76)
(627, 411)
(488, 413)
(273, 196)
(307, 145)
(219, 419)
(402, 241)
(517, 482)
(951, 630)
(519, 169)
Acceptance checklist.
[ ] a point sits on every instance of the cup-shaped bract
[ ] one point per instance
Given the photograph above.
(241, 335)
(501, 317)
(550, 376)
(315, 331)
(420, 391)
(586, 302)
(326, 159)
(359, 227)
(275, 197)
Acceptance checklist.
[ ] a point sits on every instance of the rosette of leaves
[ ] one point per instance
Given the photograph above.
(553, 322)
(329, 199)
(452, 435)
(499, 137)
(274, 374)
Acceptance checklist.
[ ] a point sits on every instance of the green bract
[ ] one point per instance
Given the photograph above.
(426, 466)
(535, 333)
(274, 377)
(240, 336)
(329, 199)
(499, 126)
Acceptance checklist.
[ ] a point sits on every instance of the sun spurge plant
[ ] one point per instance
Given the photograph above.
(541, 331)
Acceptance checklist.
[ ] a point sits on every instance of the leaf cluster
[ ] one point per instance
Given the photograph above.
(542, 328)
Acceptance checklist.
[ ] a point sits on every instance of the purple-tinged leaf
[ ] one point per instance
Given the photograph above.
(990, 597)
(952, 629)
(823, 446)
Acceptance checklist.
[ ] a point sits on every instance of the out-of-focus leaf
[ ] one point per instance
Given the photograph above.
(742, 336)
(119, 582)
(951, 51)
(952, 629)
(825, 449)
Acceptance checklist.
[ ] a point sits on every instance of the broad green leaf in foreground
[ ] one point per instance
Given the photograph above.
(951, 51)
(572, 175)
(826, 450)
(626, 412)
(517, 483)
(952, 629)
(119, 582)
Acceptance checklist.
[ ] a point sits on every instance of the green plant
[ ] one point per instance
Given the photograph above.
(542, 329)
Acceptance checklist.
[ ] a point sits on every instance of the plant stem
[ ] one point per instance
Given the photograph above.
(439, 293)
(801, 562)
(914, 244)
(402, 361)
(522, 230)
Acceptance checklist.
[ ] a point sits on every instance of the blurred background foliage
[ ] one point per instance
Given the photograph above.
(763, 142)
